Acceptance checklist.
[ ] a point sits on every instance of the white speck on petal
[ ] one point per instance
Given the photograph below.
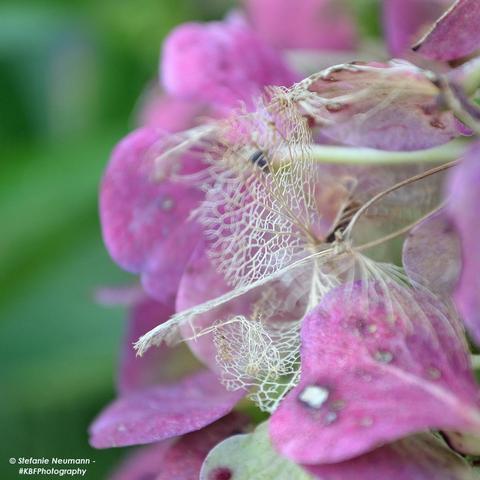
(314, 396)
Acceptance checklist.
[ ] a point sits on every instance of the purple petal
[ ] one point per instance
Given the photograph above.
(431, 254)
(405, 20)
(455, 34)
(201, 283)
(221, 63)
(163, 412)
(407, 118)
(422, 457)
(158, 365)
(180, 459)
(309, 24)
(142, 218)
(464, 192)
(368, 377)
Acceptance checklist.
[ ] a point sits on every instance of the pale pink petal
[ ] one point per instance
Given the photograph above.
(455, 34)
(386, 106)
(405, 20)
(142, 217)
(221, 63)
(158, 365)
(163, 412)
(179, 459)
(422, 457)
(464, 190)
(431, 254)
(306, 24)
(370, 377)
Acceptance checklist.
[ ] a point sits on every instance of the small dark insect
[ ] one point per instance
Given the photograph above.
(338, 229)
(258, 158)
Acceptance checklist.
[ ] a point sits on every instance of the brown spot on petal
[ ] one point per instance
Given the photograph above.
(436, 123)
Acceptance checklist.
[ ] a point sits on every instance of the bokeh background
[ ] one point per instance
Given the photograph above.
(71, 74)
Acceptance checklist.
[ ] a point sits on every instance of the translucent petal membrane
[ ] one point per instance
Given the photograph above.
(432, 255)
(455, 34)
(222, 63)
(420, 457)
(144, 220)
(162, 412)
(249, 456)
(179, 459)
(405, 20)
(159, 365)
(309, 24)
(386, 106)
(377, 365)
(464, 191)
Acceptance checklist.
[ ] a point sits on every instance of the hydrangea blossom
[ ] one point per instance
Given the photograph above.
(264, 214)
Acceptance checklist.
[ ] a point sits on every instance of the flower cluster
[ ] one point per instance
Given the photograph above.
(264, 208)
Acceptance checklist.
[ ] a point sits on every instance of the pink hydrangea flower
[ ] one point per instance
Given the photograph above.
(262, 255)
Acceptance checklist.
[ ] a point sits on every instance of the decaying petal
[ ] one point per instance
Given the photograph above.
(221, 63)
(386, 106)
(179, 459)
(309, 24)
(144, 218)
(420, 457)
(377, 365)
(405, 20)
(463, 203)
(431, 254)
(162, 412)
(159, 365)
(249, 456)
(455, 34)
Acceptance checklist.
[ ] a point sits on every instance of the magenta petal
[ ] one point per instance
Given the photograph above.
(369, 378)
(431, 254)
(308, 24)
(220, 62)
(200, 283)
(463, 207)
(178, 459)
(455, 34)
(405, 20)
(163, 412)
(422, 457)
(141, 218)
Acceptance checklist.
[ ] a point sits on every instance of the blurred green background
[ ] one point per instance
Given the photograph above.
(71, 73)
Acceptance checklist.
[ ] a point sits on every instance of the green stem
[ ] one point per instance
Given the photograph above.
(368, 156)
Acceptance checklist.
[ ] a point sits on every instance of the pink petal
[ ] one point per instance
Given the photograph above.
(405, 20)
(221, 63)
(163, 412)
(158, 365)
(201, 283)
(407, 119)
(431, 254)
(170, 113)
(455, 34)
(422, 457)
(464, 192)
(142, 218)
(308, 24)
(179, 459)
(368, 377)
